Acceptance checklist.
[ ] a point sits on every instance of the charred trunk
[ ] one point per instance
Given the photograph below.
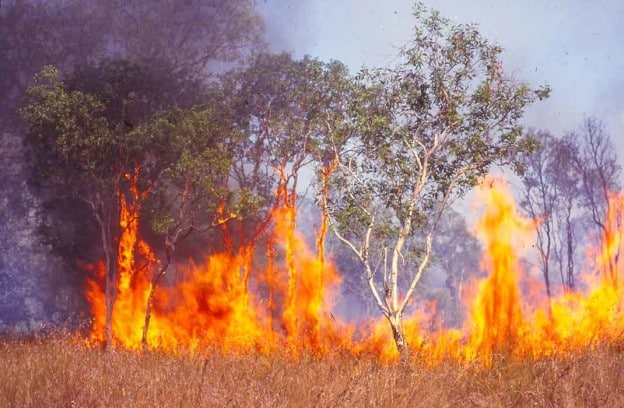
(148, 314)
(150, 298)
(109, 272)
(109, 298)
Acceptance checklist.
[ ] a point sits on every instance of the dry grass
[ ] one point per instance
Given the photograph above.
(58, 372)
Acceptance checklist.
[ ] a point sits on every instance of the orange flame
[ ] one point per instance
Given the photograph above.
(230, 304)
(496, 313)
(212, 305)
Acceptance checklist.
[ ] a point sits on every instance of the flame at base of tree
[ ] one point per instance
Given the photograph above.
(212, 305)
(283, 305)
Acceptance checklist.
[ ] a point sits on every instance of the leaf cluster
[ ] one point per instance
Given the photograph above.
(90, 132)
(431, 125)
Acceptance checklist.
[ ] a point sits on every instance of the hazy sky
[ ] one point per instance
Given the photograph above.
(571, 45)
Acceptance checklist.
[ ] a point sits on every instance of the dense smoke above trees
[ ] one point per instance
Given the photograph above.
(128, 53)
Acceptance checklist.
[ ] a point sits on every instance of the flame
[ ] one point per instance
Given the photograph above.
(496, 314)
(234, 303)
(218, 304)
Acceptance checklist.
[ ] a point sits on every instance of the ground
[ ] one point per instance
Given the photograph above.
(64, 371)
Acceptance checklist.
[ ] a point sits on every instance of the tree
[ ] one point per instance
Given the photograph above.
(90, 151)
(540, 198)
(596, 164)
(127, 94)
(192, 193)
(76, 151)
(286, 111)
(567, 213)
(551, 191)
(427, 131)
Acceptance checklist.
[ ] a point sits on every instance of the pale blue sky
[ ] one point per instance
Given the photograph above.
(572, 45)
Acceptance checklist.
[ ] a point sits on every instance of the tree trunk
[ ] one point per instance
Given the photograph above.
(148, 313)
(547, 281)
(399, 337)
(150, 298)
(570, 254)
(109, 276)
(109, 299)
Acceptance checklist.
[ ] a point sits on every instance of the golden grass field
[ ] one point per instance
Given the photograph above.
(60, 372)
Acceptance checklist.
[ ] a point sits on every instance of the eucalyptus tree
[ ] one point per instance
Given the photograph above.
(118, 96)
(540, 200)
(191, 193)
(551, 194)
(568, 213)
(427, 131)
(77, 156)
(285, 110)
(282, 110)
(91, 153)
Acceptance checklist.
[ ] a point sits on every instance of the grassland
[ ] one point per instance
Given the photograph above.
(59, 372)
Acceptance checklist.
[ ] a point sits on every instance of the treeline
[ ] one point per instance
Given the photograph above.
(571, 184)
(125, 119)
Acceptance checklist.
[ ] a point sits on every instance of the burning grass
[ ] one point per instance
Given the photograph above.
(238, 351)
(61, 371)
(232, 305)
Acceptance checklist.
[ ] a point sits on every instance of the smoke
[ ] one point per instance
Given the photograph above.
(34, 289)
(285, 24)
(37, 288)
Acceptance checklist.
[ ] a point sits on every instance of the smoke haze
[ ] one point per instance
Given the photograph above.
(573, 46)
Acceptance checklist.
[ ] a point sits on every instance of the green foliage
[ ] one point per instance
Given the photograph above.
(70, 137)
(424, 132)
(193, 158)
(118, 118)
(432, 124)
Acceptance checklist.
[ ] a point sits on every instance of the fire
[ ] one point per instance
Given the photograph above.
(496, 313)
(218, 304)
(231, 304)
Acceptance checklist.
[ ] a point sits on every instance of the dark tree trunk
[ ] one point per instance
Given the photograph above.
(154, 284)
(570, 254)
(109, 271)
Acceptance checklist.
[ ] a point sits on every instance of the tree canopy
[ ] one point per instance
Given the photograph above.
(427, 130)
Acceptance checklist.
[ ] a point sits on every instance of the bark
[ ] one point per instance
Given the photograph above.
(109, 275)
(570, 253)
(399, 336)
(150, 300)
(109, 291)
(547, 281)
